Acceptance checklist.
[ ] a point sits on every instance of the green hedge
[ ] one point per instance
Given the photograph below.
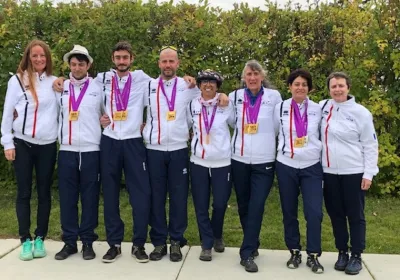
(359, 37)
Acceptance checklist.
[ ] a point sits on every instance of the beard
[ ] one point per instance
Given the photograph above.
(123, 68)
(168, 73)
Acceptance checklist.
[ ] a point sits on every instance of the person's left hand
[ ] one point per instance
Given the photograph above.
(223, 100)
(105, 120)
(365, 184)
(190, 80)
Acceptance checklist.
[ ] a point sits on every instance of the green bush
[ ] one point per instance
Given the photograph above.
(359, 37)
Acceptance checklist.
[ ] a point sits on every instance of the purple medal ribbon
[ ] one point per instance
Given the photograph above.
(121, 99)
(300, 121)
(75, 103)
(171, 104)
(252, 110)
(208, 124)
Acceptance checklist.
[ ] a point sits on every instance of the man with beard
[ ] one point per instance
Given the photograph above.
(122, 148)
(166, 134)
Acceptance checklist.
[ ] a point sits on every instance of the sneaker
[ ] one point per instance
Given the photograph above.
(88, 252)
(158, 253)
(295, 259)
(26, 252)
(112, 254)
(139, 253)
(219, 245)
(205, 255)
(255, 254)
(313, 263)
(342, 261)
(65, 252)
(175, 254)
(354, 266)
(38, 248)
(249, 265)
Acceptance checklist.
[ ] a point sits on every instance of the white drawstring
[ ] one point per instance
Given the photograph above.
(80, 161)
(209, 171)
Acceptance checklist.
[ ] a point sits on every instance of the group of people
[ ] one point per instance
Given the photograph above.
(323, 151)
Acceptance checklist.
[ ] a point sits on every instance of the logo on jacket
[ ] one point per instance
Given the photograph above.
(107, 81)
(285, 113)
(312, 113)
(325, 112)
(349, 119)
(65, 92)
(266, 102)
(196, 112)
(240, 101)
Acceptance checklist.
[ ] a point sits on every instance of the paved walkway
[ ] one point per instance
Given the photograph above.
(271, 263)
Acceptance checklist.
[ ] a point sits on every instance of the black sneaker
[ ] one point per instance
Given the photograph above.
(219, 245)
(87, 252)
(158, 253)
(249, 265)
(66, 251)
(354, 266)
(175, 254)
(342, 261)
(139, 253)
(295, 259)
(313, 263)
(112, 254)
(205, 255)
(255, 254)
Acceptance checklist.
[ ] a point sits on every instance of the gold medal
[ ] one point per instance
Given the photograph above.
(300, 142)
(251, 128)
(73, 115)
(208, 139)
(171, 115)
(117, 116)
(124, 115)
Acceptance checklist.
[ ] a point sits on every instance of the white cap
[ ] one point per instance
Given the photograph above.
(78, 50)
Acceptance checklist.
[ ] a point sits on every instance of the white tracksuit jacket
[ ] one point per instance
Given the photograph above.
(350, 144)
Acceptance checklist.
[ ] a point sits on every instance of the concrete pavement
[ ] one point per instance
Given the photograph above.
(271, 263)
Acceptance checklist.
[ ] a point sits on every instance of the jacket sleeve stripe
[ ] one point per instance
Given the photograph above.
(26, 105)
(326, 135)
(151, 114)
(283, 132)
(236, 124)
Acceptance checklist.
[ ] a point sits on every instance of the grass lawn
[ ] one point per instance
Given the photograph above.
(382, 215)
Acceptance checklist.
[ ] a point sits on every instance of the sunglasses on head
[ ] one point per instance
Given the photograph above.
(168, 47)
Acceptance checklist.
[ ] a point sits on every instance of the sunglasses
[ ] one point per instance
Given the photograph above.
(208, 82)
(168, 47)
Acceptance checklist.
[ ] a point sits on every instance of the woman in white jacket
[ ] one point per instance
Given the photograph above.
(298, 168)
(349, 160)
(253, 155)
(29, 140)
(210, 161)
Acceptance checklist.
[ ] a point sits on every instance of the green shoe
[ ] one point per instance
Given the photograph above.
(38, 248)
(26, 252)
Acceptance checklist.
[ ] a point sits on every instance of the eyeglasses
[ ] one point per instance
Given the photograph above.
(168, 47)
(213, 82)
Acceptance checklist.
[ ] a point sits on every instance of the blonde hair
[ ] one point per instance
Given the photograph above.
(26, 65)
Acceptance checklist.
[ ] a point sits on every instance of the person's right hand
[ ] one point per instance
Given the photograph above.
(10, 154)
(58, 84)
(105, 120)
